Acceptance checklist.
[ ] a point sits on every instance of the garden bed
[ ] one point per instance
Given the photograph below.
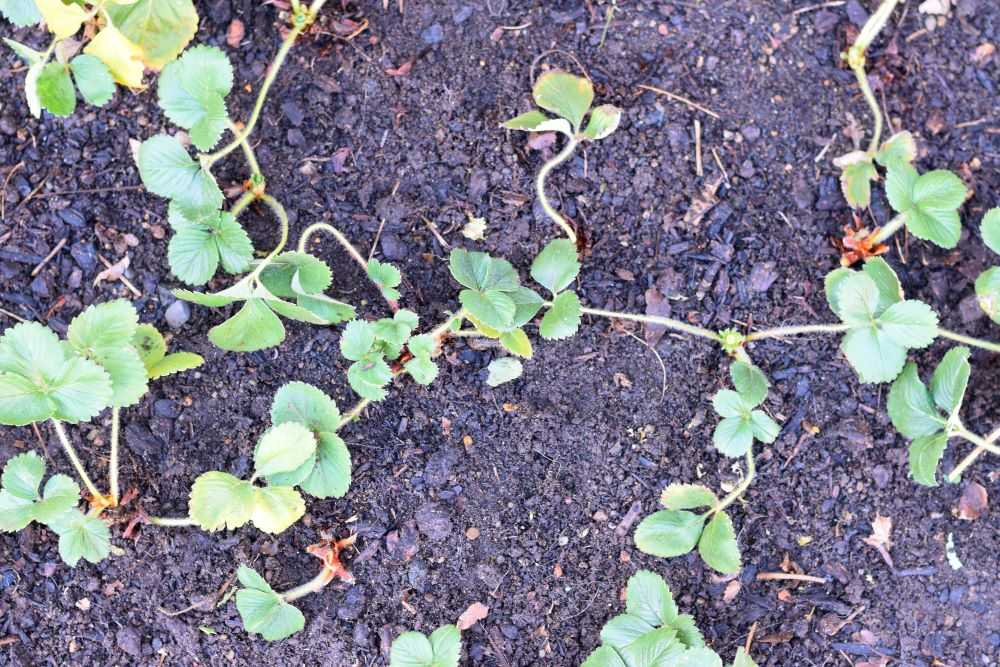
(525, 497)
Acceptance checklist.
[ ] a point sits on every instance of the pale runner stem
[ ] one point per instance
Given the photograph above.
(885, 232)
(245, 200)
(741, 488)
(314, 585)
(438, 333)
(969, 340)
(856, 60)
(247, 152)
(667, 322)
(982, 445)
(113, 462)
(171, 522)
(301, 23)
(279, 212)
(866, 90)
(797, 330)
(75, 460)
(337, 234)
(543, 173)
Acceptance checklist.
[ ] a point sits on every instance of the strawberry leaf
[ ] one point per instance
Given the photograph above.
(717, 545)
(191, 91)
(263, 611)
(503, 370)
(283, 448)
(275, 508)
(925, 455)
(990, 229)
(929, 202)
(386, 276)
(687, 496)
(950, 379)
(81, 536)
(160, 30)
(254, 327)
(167, 170)
(563, 317)
(565, 95)
(556, 266)
(604, 120)
(103, 333)
(56, 91)
(21, 13)
(648, 598)
(93, 79)
(202, 242)
(220, 501)
(669, 533)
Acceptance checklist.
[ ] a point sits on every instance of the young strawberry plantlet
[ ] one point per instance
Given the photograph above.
(569, 97)
(988, 282)
(414, 649)
(106, 361)
(652, 631)
(127, 37)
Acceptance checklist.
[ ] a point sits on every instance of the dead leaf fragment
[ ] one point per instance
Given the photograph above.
(476, 612)
(235, 33)
(703, 203)
(880, 537)
(114, 272)
(402, 70)
(732, 590)
(539, 141)
(982, 53)
(973, 503)
(475, 228)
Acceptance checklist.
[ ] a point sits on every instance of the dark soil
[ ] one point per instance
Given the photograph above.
(548, 468)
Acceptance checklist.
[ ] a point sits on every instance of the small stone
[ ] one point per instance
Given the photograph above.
(433, 35)
(433, 521)
(83, 604)
(129, 641)
(293, 112)
(472, 534)
(393, 248)
(177, 315)
(353, 604)
(600, 516)
(750, 132)
(762, 276)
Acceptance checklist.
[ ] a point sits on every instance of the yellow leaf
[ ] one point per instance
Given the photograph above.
(63, 20)
(122, 57)
(517, 342)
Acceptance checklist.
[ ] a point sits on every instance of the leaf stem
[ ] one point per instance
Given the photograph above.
(245, 200)
(543, 199)
(113, 461)
(337, 234)
(282, 215)
(856, 60)
(171, 522)
(796, 330)
(982, 445)
(667, 322)
(969, 340)
(248, 152)
(314, 585)
(741, 488)
(885, 232)
(75, 460)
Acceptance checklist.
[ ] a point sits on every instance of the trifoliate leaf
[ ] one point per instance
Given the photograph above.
(191, 91)
(199, 246)
(386, 276)
(220, 501)
(357, 339)
(21, 13)
(750, 382)
(764, 428)
(61, 494)
(503, 370)
(331, 476)
(263, 611)
(103, 333)
(516, 342)
(556, 266)
(925, 455)
(254, 327)
(733, 436)
(159, 29)
(604, 120)
(81, 536)
(950, 379)
(283, 448)
(167, 170)
(623, 630)
(911, 407)
(369, 375)
(93, 79)
(564, 94)
(929, 203)
(396, 330)
(563, 317)
(413, 649)
(856, 178)
(62, 20)
(279, 276)
(275, 508)
(56, 91)
(422, 370)
(899, 150)
(988, 293)
(669, 533)
(990, 229)
(493, 307)
(699, 657)
(717, 545)
(875, 356)
(687, 496)
(305, 404)
(120, 54)
(648, 597)
(889, 289)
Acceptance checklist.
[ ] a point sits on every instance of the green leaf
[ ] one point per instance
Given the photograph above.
(150, 345)
(329, 310)
(669, 533)
(743, 659)
(192, 90)
(422, 370)
(990, 229)
(925, 455)
(564, 94)
(103, 333)
(81, 536)
(199, 246)
(386, 276)
(516, 342)
(61, 495)
(423, 345)
(305, 404)
(220, 501)
(733, 436)
(687, 496)
(413, 649)
(604, 120)
(177, 362)
(396, 330)
(93, 79)
(15, 513)
(654, 649)
(874, 356)
(889, 289)
(357, 339)
(857, 299)
(494, 308)
(699, 657)
(950, 379)
(368, 376)
(623, 630)
(470, 269)
(728, 403)
(527, 303)
(263, 611)
(446, 643)
(21, 13)
(717, 545)
(160, 29)
(556, 266)
(688, 632)
(331, 476)
(910, 406)
(528, 121)
(563, 317)
(167, 170)
(55, 90)
(929, 203)
(22, 475)
(29, 55)
(604, 656)
(81, 391)
(649, 598)
(254, 327)
(910, 324)
(241, 291)
(988, 293)
(764, 428)
(31, 350)
(503, 370)
(283, 448)
(275, 508)
(750, 382)
(856, 178)
(899, 150)
(279, 276)
(831, 285)
(22, 402)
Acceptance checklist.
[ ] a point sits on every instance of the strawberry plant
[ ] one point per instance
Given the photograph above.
(414, 649)
(121, 38)
(652, 631)
(106, 361)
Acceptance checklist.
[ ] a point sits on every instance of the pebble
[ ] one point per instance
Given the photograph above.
(417, 575)
(438, 468)
(129, 641)
(393, 247)
(433, 34)
(177, 315)
(293, 112)
(750, 132)
(433, 521)
(763, 276)
(353, 604)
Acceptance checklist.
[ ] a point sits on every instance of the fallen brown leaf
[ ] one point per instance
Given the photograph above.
(235, 33)
(880, 537)
(973, 503)
(476, 612)
(402, 70)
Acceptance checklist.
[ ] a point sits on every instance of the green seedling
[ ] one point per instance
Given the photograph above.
(371, 345)
(652, 631)
(414, 649)
(127, 37)
(988, 282)
(106, 361)
(569, 97)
